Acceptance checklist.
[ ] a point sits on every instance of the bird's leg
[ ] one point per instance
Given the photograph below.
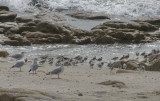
(20, 69)
(58, 76)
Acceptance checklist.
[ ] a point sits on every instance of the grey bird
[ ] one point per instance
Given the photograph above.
(19, 64)
(34, 66)
(57, 71)
(18, 56)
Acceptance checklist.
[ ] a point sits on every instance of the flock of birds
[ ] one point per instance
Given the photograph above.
(34, 66)
(62, 61)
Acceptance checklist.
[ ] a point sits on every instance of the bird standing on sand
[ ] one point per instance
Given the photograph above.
(19, 64)
(18, 56)
(57, 71)
(34, 66)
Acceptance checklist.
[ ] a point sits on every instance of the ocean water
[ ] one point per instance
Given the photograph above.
(134, 8)
(91, 50)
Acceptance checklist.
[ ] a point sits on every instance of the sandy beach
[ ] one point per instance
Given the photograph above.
(81, 83)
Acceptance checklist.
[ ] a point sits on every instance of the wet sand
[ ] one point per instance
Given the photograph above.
(81, 83)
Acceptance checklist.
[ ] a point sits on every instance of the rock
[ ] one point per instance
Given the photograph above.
(7, 16)
(141, 26)
(3, 53)
(154, 66)
(24, 95)
(23, 19)
(153, 57)
(8, 25)
(1, 30)
(47, 27)
(17, 40)
(40, 38)
(132, 64)
(17, 43)
(27, 28)
(117, 84)
(153, 21)
(105, 40)
(85, 40)
(4, 8)
(125, 71)
(88, 15)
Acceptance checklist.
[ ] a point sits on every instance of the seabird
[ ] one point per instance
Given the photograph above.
(19, 64)
(57, 71)
(34, 66)
(18, 56)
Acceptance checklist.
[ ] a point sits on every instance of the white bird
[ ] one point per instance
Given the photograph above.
(57, 71)
(34, 66)
(18, 56)
(19, 64)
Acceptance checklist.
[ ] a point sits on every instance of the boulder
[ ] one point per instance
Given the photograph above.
(4, 8)
(7, 16)
(3, 53)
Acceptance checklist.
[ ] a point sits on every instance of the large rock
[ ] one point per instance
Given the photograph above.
(7, 16)
(141, 26)
(4, 8)
(24, 95)
(88, 15)
(3, 53)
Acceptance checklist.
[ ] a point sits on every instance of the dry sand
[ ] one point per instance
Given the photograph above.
(81, 83)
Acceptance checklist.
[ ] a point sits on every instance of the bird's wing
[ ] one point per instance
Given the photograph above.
(19, 63)
(17, 56)
(56, 71)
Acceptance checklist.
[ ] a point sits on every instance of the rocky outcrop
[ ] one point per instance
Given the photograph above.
(33, 30)
(6, 16)
(17, 40)
(24, 95)
(124, 32)
(88, 15)
(4, 8)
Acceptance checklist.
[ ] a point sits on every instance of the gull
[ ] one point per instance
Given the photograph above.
(57, 71)
(19, 64)
(18, 56)
(34, 66)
